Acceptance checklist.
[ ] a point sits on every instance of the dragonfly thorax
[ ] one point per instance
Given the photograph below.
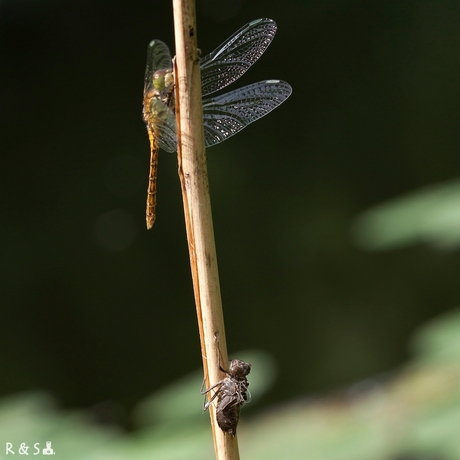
(163, 80)
(159, 98)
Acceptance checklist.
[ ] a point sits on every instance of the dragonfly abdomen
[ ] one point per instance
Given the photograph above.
(152, 187)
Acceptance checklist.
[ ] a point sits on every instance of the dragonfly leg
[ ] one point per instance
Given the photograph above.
(214, 396)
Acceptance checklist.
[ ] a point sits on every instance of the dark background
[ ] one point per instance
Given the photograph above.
(94, 308)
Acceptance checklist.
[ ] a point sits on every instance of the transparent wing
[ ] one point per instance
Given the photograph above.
(162, 123)
(232, 58)
(226, 115)
(158, 57)
(167, 133)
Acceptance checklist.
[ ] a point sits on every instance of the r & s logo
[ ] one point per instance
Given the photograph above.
(23, 449)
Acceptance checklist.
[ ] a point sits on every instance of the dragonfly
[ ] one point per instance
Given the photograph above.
(232, 393)
(223, 115)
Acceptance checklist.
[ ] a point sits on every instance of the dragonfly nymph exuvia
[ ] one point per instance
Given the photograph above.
(223, 115)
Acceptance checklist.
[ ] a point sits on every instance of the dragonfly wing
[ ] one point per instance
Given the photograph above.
(158, 57)
(167, 138)
(162, 123)
(225, 115)
(167, 133)
(233, 57)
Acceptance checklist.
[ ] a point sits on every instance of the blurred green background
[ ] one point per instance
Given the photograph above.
(337, 217)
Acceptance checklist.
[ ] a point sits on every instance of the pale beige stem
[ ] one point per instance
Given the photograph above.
(197, 209)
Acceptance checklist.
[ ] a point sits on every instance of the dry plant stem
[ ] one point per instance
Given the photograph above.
(197, 209)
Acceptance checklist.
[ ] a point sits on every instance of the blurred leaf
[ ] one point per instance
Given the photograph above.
(429, 215)
(414, 414)
(438, 341)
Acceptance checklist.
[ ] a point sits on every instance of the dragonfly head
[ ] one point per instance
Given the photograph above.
(239, 369)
